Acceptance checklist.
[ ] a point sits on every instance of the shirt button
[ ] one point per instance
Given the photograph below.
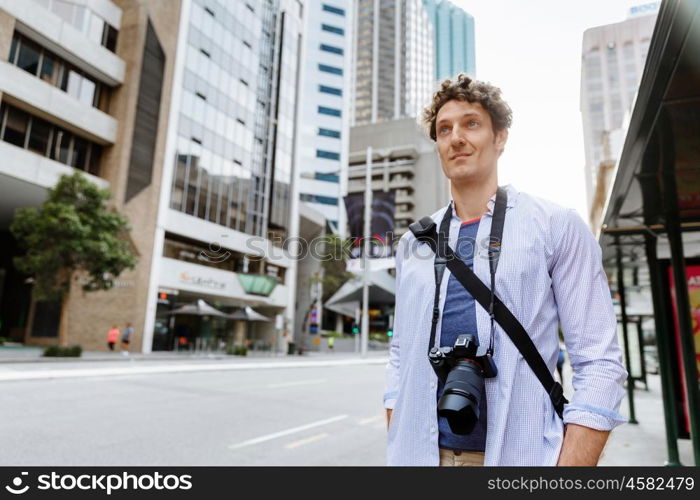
(432, 429)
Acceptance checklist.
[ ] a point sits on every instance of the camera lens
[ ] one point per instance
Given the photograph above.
(460, 399)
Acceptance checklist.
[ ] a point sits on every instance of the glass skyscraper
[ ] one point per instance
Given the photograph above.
(235, 126)
(454, 39)
(394, 65)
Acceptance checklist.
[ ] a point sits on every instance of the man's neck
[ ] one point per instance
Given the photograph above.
(471, 200)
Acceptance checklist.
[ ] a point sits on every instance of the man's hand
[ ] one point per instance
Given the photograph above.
(388, 417)
(582, 446)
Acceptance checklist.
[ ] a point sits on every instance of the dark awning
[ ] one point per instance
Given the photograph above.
(668, 102)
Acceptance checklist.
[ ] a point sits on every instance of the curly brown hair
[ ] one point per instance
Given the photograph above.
(464, 88)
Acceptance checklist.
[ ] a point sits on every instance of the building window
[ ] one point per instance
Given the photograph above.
(329, 133)
(333, 10)
(84, 20)
(332, 49)
(324, 200)
(319, 176)
(59, 73)
(329, 111)
(330, 69)
(41, 137)
(15, 126)
(330, 90)
(330, 155)
(332, 29)
(109, 38)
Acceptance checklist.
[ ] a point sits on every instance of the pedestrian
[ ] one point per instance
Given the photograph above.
(560, 365)
(112, 337)
(331, 342)
(543, 263)
(126, 338)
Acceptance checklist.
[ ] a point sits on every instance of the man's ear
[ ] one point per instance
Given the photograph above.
(500, 139)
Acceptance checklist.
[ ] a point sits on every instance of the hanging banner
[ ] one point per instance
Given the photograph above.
(381, 226)
(692, 273)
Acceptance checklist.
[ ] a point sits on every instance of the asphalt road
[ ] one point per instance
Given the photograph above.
(328, 415)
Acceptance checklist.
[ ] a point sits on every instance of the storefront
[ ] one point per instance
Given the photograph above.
(230, 283)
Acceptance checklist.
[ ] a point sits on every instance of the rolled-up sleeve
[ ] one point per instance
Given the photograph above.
(391, 384)
(589, 324)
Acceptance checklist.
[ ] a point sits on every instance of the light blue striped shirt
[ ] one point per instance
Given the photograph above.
(549, 273)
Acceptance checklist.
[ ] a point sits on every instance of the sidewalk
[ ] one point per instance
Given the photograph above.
(29, 365)
(644, 443)
(24, 354)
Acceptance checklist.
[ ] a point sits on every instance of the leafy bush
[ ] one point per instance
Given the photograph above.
(71, 351)
(3, 340)
(237, 350)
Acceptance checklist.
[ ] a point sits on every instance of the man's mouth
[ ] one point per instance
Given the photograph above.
(461, 155)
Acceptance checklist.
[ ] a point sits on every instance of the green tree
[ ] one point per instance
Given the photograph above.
(334, 272)
(72, 231)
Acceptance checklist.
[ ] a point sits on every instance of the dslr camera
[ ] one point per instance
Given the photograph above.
(462, 372)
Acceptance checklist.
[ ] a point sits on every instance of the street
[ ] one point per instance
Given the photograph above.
(330, 415)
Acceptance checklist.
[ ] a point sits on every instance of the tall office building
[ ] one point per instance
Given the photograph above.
(230, 199)
(324, 132)
(613, 58)
(187, 111)
(394, 60)
(454, 39)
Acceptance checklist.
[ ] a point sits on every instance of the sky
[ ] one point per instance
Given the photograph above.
(532, 51)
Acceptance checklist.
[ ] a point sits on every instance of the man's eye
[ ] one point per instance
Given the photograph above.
(443, 130)
(473, 124)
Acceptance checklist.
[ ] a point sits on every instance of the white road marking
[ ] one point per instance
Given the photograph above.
(308, 440)
(292, 384)
(7, 375)
(276, 435)
(369, 420)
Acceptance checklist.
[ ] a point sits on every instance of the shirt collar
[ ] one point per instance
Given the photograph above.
(512, 199)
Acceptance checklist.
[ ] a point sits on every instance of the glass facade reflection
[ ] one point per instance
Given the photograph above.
(236, 124)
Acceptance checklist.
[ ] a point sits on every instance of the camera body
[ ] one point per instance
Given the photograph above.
(462, 370)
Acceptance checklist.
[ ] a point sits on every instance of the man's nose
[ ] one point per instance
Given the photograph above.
(458, 137)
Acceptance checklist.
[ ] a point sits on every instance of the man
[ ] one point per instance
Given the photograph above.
(549, 272)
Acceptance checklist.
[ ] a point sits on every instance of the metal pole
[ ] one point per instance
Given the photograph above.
(623, 311)
(664, 349)
(364, 331)
(640, 343)
(675, 240)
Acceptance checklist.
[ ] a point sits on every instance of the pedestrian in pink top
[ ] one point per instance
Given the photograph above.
(112, 337)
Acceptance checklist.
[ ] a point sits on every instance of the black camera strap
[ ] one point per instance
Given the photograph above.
(425, 231)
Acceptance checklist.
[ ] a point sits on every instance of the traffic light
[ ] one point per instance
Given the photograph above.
(355, 329)
(390, 333)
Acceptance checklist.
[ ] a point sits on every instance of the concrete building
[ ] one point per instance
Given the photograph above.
(454, 39)
(187, 111)
(84, 86)
(613, 58)
(393, 61)
(324, 132)
(404, 162)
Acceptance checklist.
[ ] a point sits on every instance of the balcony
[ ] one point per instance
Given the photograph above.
(66, 41)
(41, 98)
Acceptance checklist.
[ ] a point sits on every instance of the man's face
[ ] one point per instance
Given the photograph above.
(467, 145)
